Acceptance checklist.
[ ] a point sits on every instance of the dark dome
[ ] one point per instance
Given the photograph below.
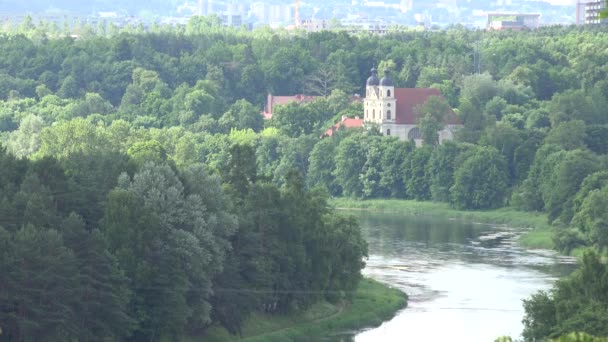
(387, 81)
(373, 79)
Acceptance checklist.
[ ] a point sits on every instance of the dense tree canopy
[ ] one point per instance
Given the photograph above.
(137, 164)
(577, 303)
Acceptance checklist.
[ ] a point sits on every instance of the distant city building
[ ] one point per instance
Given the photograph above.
(379, 27)
(281, 14)
(271, 14)
(315, 25)
(581, 12)
(232, 20)
(592, 12)
(512, 21)
(394, 109)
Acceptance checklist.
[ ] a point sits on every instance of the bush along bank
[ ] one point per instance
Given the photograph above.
(372, 304)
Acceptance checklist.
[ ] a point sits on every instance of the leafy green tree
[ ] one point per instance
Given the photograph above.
(480, 182)
(431, 75)
(571, 105)
(394, 156)
(479, 89)
(529, 197)
(295, 154)
(540, 319)
(41, 286)
(441, 168)
(321, 166)
(34, 203)
(294, 119)
(69, 88)
(591, 218)
(371, 172)
(77, 136)
(345, 248)
(300, 234)
(570, 135)
(496, 106)
(431, 118)
(322, 81)
(268, 153)
(523, 157)
(26, 140)
(474, 122)
(350, 158)
(506, 140)
(242, 170)
(415, 175)
(594, 181)
(286, 68)
(576, 303)
(162, 238)
(562, 184)
(389, 65)
(537, 118)
(92, 104)
(578, 337)
(242, 115)
(103, 292)
(90, 179)
(595, 137)
(147, 151)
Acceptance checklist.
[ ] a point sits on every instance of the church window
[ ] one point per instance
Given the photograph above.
(388, 104)
(388, 132)
(388, 115)
(374, 113)
(414, 133)
(388, 93)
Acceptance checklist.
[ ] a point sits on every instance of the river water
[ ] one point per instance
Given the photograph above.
(465, 281)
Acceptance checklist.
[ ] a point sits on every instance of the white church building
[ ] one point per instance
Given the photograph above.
(393, 109)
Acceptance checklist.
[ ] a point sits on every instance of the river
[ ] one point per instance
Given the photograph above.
(465, 281)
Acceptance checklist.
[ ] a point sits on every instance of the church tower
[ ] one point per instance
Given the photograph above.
(380, 106)
(372, 96)
(387, 102)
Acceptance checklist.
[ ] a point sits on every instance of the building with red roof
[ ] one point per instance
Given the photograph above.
(283, 100)
(345, 122)
(272, 101)
(393, 109)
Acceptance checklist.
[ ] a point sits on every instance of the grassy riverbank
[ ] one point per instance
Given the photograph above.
(373, 303)
(538, 237)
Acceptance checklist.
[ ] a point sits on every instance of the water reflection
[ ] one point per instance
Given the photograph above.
(466, 281)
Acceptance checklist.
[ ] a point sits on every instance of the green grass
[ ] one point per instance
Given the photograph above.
(373, 303)
(538, 237)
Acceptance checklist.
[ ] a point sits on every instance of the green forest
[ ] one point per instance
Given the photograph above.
(142, 194)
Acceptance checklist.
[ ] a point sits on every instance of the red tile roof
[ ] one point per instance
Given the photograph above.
(283, 100)
(409, 98)
(346, 123)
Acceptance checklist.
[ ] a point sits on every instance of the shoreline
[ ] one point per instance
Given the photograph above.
(376, 302)
(373, 304)
(538, 237)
